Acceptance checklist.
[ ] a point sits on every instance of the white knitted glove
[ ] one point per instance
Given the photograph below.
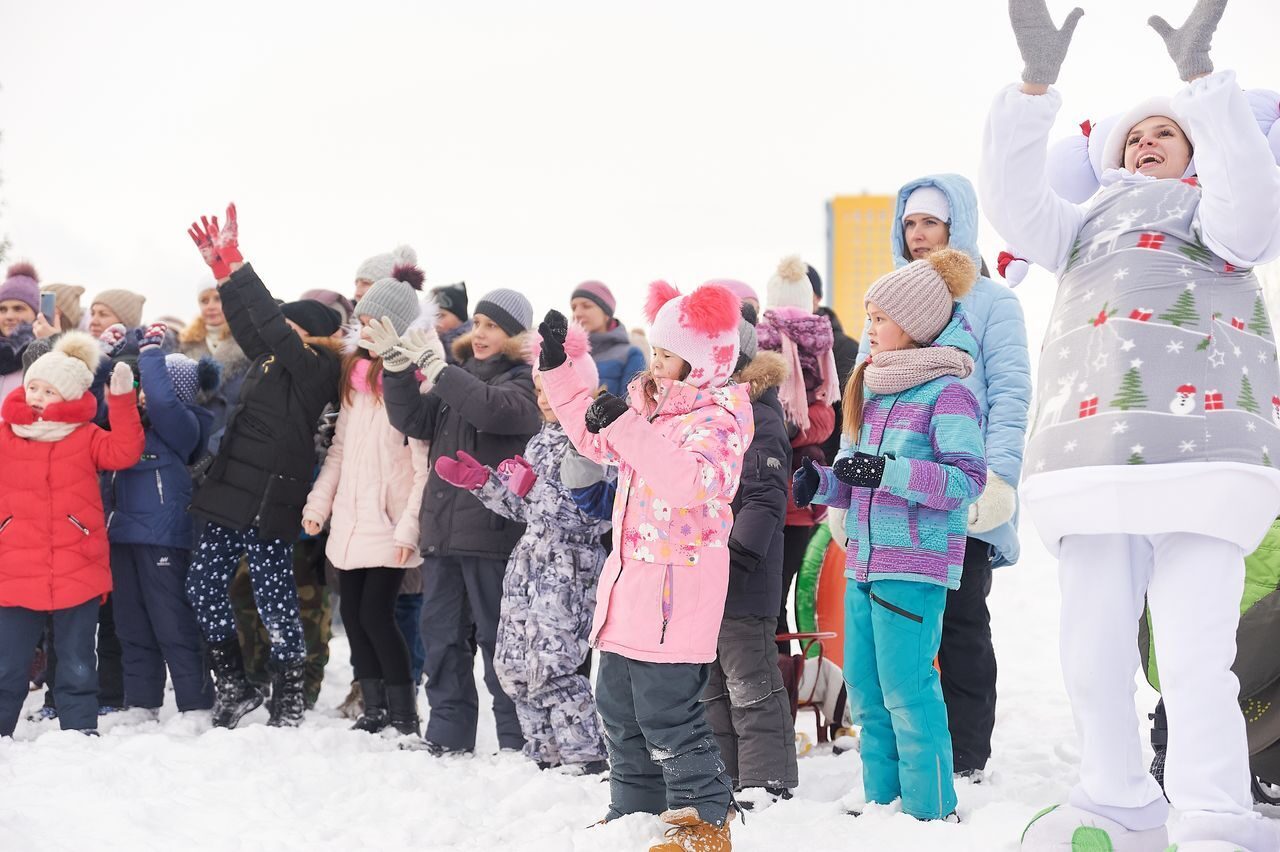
(424, 349)
(380, 338)
(994, 506)
(121, 379)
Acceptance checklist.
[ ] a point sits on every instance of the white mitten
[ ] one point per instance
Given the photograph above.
(835, 523)
(995, 506)
(121, 379)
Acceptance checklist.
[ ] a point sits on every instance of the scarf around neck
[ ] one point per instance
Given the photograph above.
(900, 369)
(58, 421)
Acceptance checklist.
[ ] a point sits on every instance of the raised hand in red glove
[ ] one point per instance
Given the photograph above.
(218, 245)
(464, 472)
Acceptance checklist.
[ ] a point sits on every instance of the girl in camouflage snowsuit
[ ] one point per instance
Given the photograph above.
(549, 591)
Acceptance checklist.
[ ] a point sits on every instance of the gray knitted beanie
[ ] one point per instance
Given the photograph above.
(509, 309)
(392, 298)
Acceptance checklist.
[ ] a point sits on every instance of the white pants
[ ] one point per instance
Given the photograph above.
(1193, 585)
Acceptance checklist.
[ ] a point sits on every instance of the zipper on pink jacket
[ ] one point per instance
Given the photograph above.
(668, 594)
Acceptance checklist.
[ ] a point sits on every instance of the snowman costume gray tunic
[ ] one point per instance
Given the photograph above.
(1158, 393)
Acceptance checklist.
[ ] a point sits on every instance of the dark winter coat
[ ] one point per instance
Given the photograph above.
(487, 408)
(221, 401)
(845, 348)
(147, 503)
(760, 506)
(617, 358)
(262, 473)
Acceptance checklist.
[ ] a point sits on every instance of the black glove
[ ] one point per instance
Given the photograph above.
(553, 328)
(860, 470)
(805, 482)
(606, 409)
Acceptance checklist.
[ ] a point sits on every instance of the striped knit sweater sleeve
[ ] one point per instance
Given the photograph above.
(958, 472)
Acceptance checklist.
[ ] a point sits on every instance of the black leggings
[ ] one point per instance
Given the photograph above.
(368, 604)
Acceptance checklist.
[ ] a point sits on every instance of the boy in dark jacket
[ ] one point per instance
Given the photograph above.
(150, 532)
(486, 406)
(259, 480)
(747, 703)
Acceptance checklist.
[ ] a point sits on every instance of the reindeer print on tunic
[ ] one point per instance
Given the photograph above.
(1158, 350)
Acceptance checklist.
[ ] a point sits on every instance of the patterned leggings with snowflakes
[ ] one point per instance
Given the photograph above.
(274, 590)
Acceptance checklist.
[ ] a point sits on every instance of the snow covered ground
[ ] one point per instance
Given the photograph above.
(176, 784)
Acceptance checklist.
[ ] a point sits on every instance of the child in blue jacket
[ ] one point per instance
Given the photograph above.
(911, 462)
(151, 536)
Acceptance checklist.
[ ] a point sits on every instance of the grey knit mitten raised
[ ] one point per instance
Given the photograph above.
(1043, 46)
(1188, 45)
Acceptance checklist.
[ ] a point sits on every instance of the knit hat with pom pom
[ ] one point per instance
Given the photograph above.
(69, 367)
(920, 296)
(395, 297)
(790, 287)
(381, 265)
(22, 285)
(191, 377)
(577, 345)
(701, 328)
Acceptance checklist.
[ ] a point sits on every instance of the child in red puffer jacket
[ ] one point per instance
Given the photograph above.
(54, 555)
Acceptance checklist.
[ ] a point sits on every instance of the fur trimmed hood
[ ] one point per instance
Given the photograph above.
(514, 349)
(766, 370)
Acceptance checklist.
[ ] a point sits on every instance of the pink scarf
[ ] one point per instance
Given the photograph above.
(360, 376)
(900, 369)
(792, 393)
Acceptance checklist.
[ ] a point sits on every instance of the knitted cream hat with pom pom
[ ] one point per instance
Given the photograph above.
(920, 296)
(701, 328)
(790, 287)
(69, 367)
(381, 265)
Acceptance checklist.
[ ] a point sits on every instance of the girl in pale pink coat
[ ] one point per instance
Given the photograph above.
(678, 443)
(370, 489)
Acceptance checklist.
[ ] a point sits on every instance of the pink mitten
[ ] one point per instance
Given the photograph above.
(465, 472)
(518, 476)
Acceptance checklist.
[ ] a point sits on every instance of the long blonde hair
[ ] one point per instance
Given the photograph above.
(852, 399)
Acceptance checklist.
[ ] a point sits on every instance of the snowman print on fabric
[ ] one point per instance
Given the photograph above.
(1184, 401)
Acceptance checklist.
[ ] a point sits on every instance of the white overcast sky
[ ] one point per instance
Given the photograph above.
(524, 145)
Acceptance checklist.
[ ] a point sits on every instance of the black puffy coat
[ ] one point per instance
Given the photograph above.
(262, 473)
(760, 506)
(487, 408)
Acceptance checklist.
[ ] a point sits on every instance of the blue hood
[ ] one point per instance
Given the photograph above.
(964, 215)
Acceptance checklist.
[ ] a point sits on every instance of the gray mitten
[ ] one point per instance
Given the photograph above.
(1043, 46)
(1189, 45)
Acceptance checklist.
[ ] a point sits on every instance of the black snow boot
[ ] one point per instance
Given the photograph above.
(234, 695)
(374, 717)
(402, 704)
(287, 700)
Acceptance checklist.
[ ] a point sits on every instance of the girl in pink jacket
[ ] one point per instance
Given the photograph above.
(678, 442)
(370, 489)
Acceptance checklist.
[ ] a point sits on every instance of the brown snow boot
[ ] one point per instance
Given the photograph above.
(690, 834)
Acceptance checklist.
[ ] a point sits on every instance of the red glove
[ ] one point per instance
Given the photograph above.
(517, 474)
(152, 336)
(465, 472)
(218, 245)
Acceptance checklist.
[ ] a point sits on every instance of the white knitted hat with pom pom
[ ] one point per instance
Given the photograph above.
(920, 296)
(381, 265)
(70, 366)
(789, 287)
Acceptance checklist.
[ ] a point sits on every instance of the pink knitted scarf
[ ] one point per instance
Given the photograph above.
(900, 369)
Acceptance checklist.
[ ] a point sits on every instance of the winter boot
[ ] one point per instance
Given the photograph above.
(402, 708)
(374, 717)
(1062, 827)
(690, 834)
(286, 694)
(234, 696)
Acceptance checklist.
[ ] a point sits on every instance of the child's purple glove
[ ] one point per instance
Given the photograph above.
(464, 472)
(517, 474)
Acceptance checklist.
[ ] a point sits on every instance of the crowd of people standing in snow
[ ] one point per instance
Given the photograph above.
(181, 501)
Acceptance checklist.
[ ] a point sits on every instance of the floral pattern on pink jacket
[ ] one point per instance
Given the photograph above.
(661, 594)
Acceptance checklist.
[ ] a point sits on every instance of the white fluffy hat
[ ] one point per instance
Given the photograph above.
(789, 287)
(1113, 151)
(69, 366)
(382, 265)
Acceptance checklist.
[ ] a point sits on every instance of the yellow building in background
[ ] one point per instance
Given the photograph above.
(858, 252)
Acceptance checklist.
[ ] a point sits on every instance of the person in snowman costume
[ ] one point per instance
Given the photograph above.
(1134, 500)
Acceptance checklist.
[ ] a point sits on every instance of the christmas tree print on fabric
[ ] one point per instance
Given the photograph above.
(1246, 400)
(1183, 312)
(1259, 324)
(1131, 395)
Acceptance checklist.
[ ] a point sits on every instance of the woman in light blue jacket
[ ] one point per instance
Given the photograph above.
(935, 212)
